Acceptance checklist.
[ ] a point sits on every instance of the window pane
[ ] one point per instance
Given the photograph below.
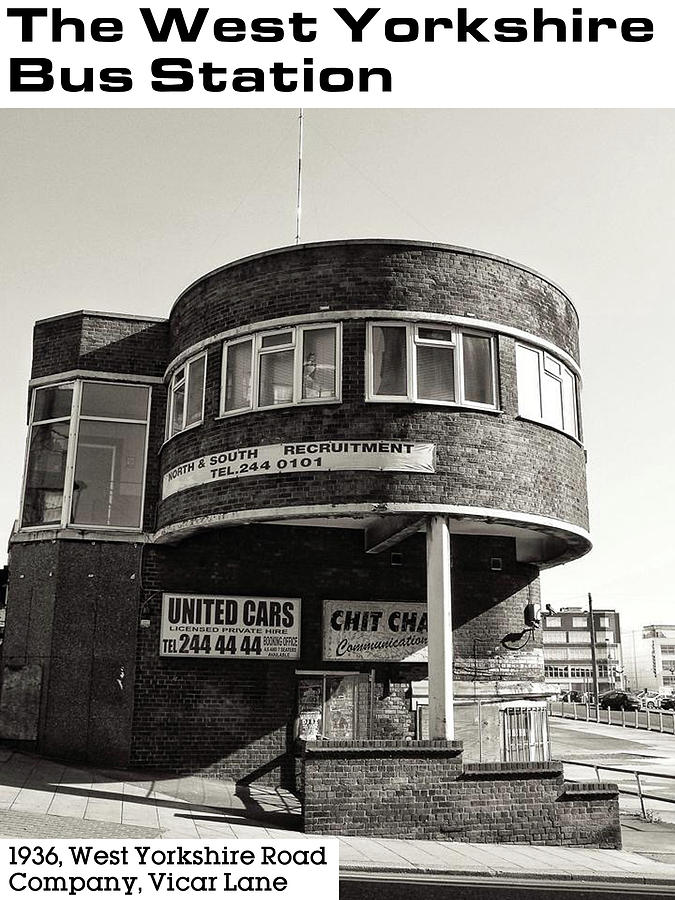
(569, 402)
(238, 376)
(277, 340)
(177, 402)
(435, 334)
(195, 397)
(114, 401)
(318, 363)
(108, 485)
(53, 402)
(389, 361)
(551, 398)
(45, 475)
(435, 373)
(551, 365)
(529, 393)
(276, 378)
(478, 383)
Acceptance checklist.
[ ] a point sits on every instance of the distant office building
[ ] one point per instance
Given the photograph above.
(650, 658)
(567, 650)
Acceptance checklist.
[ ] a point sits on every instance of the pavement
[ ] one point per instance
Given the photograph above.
(42, 798)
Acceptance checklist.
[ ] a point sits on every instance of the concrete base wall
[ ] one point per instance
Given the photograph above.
(421, 790)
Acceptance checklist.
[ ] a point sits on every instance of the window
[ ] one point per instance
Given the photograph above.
(579, 653)
(547, 390)
(335, 706)
(604, 637)
(555, 671)
(48, 443)
(579, 672)
(579, 622)
(555, 652)
(281, 368)
(186, 396)
(603, 622)
(668, 649)
(553, 622)
(555, 637)
(86, 456)
(579, 637)
(411, 362)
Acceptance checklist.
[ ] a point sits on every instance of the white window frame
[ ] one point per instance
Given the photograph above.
(258, 351)
(185, 368)
(71, 455)
(552, 367)
(413, 340)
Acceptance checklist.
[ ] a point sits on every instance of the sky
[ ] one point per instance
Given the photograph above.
(120, 210)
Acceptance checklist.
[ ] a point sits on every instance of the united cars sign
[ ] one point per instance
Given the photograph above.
(225, 627)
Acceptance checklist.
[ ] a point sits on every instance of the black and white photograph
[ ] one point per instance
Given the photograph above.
(337, 474)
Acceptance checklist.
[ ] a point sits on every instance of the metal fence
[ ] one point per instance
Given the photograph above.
(646, 719)
(525, 736)
(638, 774)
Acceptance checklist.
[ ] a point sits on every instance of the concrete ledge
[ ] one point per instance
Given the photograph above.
(590, 789)
(382, 748)
(494, 771)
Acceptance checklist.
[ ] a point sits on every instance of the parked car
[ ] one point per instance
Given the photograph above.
(668, 702)
(649, 699)
(572, 697)
(619, 700)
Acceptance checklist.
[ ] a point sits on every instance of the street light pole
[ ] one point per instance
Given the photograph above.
(594, 659)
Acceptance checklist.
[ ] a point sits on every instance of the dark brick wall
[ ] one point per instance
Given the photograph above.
(372, 275)
(233, 717)
(420, 790)
(484, 459)
(72, 616)
(100, 343)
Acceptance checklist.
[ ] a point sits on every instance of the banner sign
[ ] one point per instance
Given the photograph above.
(365, 630)
(308, 456)
(214, 627)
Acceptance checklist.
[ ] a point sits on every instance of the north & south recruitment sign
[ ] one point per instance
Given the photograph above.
(306, 456)
(377, 630)
(223, 627)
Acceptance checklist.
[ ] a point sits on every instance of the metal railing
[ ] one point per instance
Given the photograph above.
(646, 719)
(640, 794)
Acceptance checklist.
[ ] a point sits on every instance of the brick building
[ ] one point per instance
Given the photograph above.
(567, 638)
(309, 507)
(650, 659)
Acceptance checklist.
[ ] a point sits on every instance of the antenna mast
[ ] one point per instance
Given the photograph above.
(298, 208)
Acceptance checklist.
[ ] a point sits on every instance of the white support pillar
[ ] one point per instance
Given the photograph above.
(439, 609)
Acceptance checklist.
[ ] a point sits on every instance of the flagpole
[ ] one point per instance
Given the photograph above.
(298, 208)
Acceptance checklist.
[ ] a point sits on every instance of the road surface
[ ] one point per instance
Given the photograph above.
(623, 748)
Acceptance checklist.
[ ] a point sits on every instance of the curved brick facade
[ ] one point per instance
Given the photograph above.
(484, 459)
(509, 493)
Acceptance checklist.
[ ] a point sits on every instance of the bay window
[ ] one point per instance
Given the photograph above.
(298, 365)
(547, 390)
(87, 452)
(186, 396)
(438, 364)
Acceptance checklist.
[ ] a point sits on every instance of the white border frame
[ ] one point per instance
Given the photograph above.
(186, 366)
(413, 340)
(71, 458)
(295, 344)
(543, 355)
